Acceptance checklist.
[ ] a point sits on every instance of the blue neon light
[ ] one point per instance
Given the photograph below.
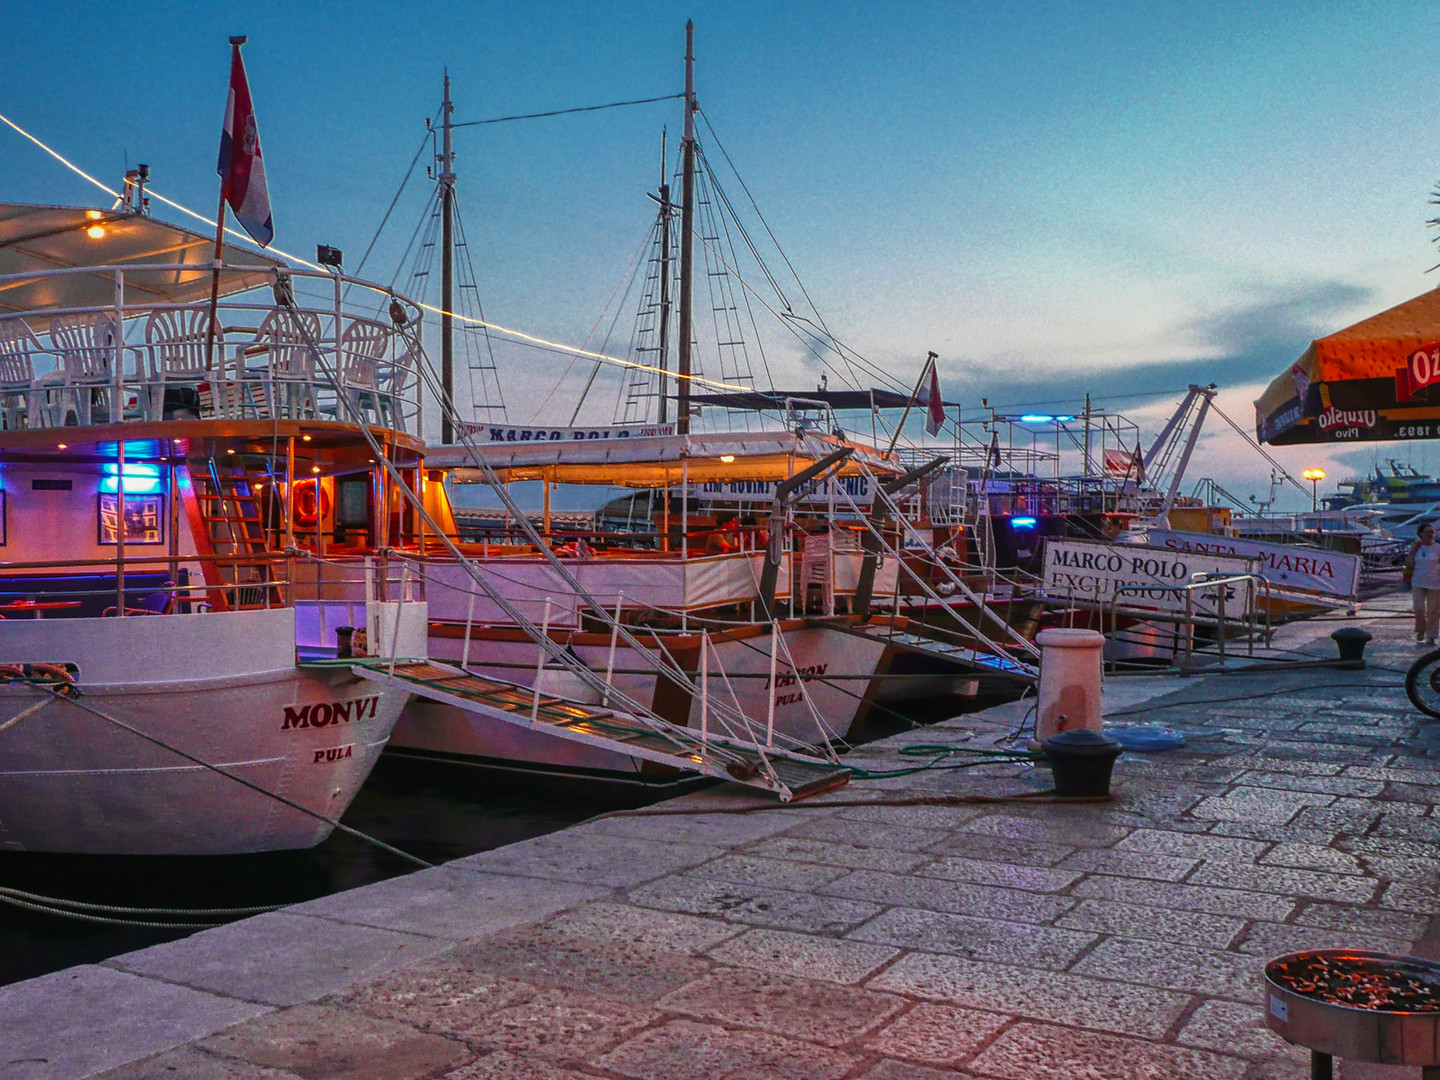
(140, 479)
(1044, 418)
(1023, 523)
(134, 485)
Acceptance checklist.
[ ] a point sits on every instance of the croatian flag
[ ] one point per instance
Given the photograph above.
(935, 407)
(241, 168)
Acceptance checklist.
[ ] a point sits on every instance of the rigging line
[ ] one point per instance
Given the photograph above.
(68, 164)
(525, 338)
(517, 334)
(1263, 452)
(725, 222)
(626, 282)
(784, 320)
(785, 258)
(632, 393)
(391, 208)
(566, 112)
(725, 202)
(467, 272)
(845, 352)
(430, 217)
(80, 703)
(750, 314)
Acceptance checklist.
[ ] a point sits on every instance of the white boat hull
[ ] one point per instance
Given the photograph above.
(222, 688)
(839, 681)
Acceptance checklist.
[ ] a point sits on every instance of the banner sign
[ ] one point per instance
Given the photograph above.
(508, 434)
(1421, 371)
(859, 488)
(1304, 568)
(1084, 569)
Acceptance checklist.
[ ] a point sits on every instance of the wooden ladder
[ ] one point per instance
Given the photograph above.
(224, 509)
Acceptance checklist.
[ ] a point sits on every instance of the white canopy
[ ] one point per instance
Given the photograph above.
(654, 461)
(37, 241)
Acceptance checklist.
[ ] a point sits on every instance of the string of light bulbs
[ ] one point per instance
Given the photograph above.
(518, 335)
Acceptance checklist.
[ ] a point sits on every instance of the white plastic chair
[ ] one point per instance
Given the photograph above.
(23, 398)
(395, 383)
(86, 345)
(177, 344)
(289, 372)
(363, 344)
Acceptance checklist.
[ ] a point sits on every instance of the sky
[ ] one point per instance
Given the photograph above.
(1057, 198)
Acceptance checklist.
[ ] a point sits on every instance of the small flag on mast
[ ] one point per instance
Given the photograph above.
(935, 406)
(241, 168)
(1139, 460)
(995, 449)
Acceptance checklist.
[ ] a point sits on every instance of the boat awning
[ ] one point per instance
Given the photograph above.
(654, 461)
(1371, 382)
(37, 241)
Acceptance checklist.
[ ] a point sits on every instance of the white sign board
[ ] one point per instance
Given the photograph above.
(1095, 571)
(1285, 565)
(509, 433)
(763, 491)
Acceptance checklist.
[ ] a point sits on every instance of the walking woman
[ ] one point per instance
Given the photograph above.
(1423, 562)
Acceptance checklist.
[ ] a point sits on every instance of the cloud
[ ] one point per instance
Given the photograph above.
(1256, 341)
(1247, 343)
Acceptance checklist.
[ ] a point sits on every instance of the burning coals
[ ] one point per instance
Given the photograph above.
(1391, 985)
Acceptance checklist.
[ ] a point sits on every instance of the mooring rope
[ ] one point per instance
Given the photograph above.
(74, 909)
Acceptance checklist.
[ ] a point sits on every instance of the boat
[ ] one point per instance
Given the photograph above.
(167, 496)
(763, 624)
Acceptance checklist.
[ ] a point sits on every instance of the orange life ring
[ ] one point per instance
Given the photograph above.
(312, 502)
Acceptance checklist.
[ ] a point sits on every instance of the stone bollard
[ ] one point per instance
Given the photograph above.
(1069, 693)
(1351, 642)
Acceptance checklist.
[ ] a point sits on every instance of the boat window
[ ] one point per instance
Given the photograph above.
(353, 498)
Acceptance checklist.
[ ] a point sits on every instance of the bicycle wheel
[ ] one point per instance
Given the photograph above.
(1422, 684)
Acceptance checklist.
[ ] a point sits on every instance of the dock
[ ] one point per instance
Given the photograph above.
(895, 929)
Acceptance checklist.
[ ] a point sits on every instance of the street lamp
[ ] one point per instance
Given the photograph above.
(1314, 476)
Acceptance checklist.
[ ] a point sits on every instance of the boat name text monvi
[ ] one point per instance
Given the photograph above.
(321, 714)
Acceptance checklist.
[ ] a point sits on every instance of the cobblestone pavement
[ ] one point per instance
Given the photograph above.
(1009, 940)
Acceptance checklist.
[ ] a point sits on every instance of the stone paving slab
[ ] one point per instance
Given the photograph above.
(448, 902)
(864, 935)
(83, 1020)
(278, 958)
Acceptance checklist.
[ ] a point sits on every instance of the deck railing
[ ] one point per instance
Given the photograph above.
(1253, 616)
(140, 358)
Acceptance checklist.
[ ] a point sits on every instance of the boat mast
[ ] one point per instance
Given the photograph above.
(447, 267)
(664, 284)
(687, 231)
